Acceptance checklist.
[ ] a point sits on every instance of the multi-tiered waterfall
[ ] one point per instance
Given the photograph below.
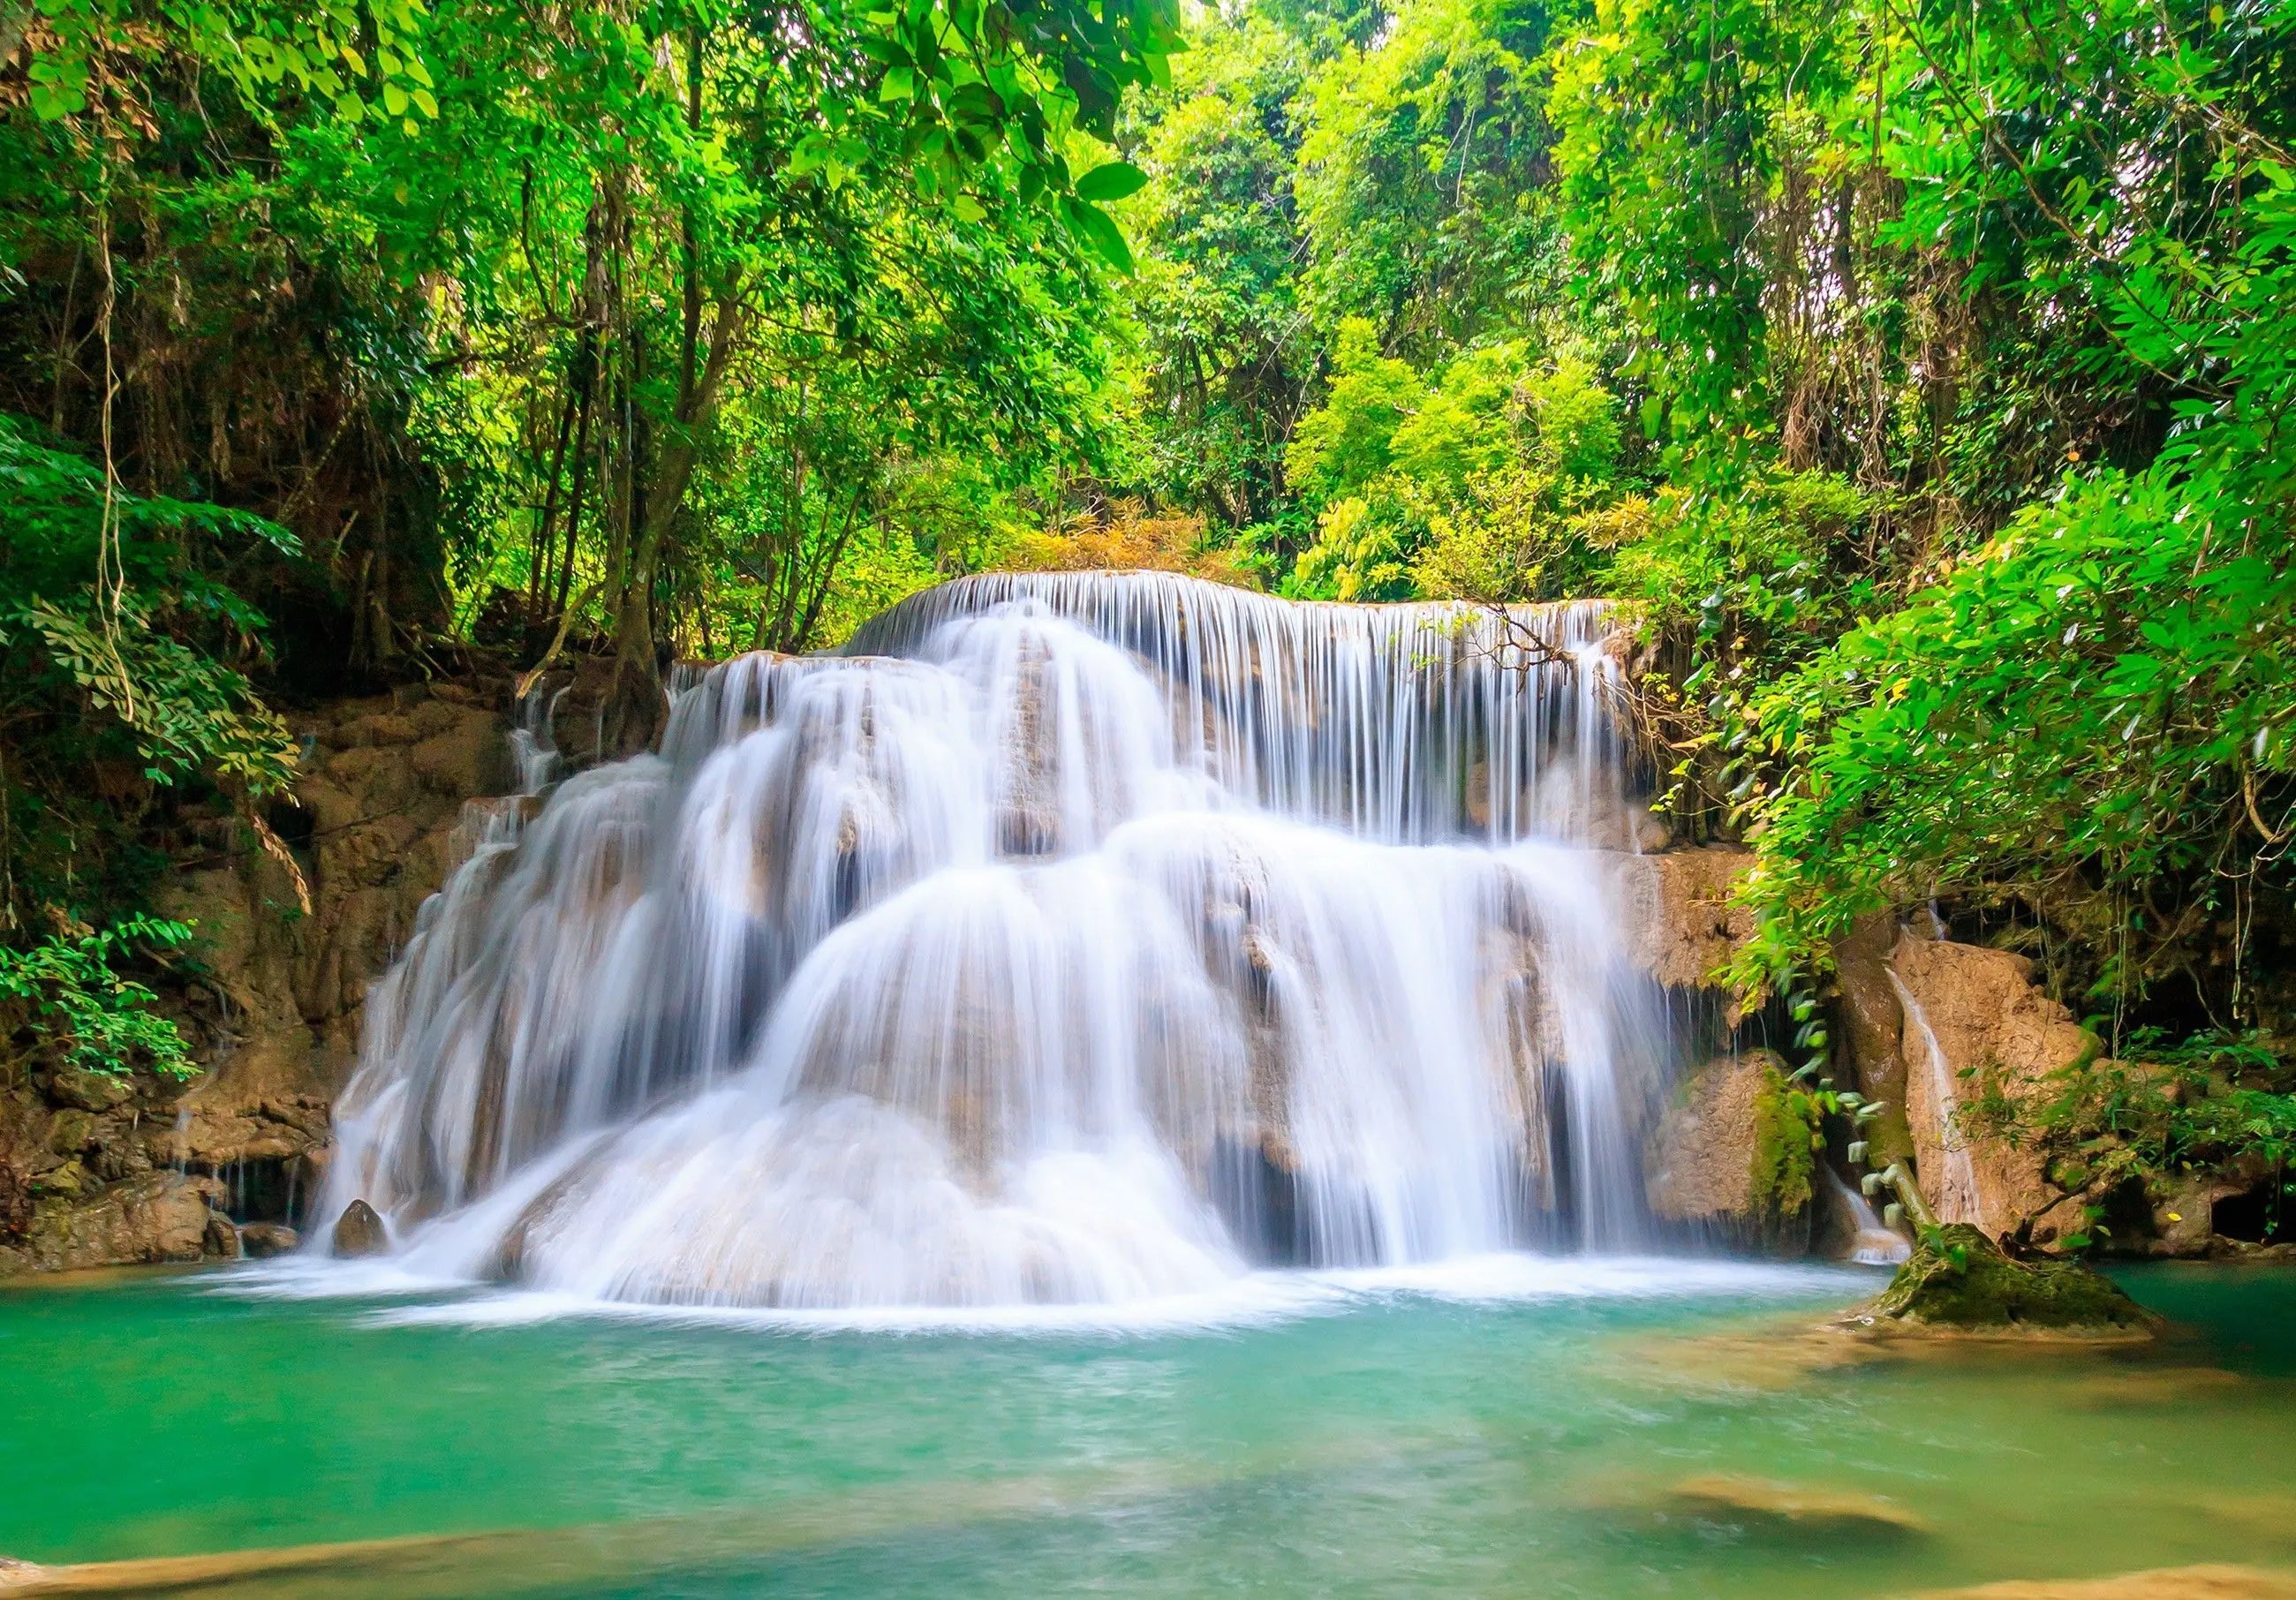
(1077, 937)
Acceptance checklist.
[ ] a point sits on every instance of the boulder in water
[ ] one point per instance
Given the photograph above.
(360, 1231)
(1957, 1280)
(260, 1241)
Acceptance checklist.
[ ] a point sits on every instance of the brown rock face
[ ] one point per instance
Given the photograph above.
(158, 1217)
(1679, 925)
(1699, 1165)
(1976, 1027)
(275, 1018)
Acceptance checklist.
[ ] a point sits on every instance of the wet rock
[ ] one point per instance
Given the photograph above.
(359, 1231)
(221, 1238)
(159, 1217)
(1959, 1281)
(1677, 919)
(1976, 1028)
(89, 1091)
(71, 1132)
(2167, 1583)
(1715, 1158)
(1757, 1502)
(2184, 1217)
(1872, 1030)
(260, 1240)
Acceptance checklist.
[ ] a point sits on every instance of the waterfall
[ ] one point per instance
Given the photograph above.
(1955, 1194)
(1068, 938)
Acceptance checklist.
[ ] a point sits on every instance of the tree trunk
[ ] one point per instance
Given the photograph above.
(636, 706)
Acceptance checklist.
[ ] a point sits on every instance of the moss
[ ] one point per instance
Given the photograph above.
(1958, 1278)
(1784, 1160)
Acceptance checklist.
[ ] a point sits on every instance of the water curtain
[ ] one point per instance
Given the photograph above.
(1068, 938)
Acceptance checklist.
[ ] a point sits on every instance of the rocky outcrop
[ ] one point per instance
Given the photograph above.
(1677, 914)
(1977, 1031)
(95, 1170)
(1720, 1160)
(1958, 1282)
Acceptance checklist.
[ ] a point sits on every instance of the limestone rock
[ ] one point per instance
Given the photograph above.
(1676, 913)
(1728, 1498)
(260, 1240)
(1871, 1030)
(1698, 1165)
(2184, 1217)
(274, 1016)
(160, 1216)
(1976, 1026)
(89, 1091)
(359, 1231)
(221, 1238)
(2167, 1583)
(1957, 1281)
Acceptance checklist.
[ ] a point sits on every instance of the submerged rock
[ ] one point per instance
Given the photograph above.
(1728, 1498)
(360, 1231)
(2167, 1583)
(1958, 1280)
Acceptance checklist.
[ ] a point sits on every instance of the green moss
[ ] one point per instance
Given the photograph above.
(1786, 1142)
(1958, 1278)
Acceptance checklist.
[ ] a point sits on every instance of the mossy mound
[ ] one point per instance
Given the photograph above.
(1957, 1278)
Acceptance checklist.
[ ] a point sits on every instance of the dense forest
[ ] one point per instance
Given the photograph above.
(1914, 374)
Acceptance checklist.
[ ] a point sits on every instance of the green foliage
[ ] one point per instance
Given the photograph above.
(1789, 1139)
(2212, 1101)
(97, 1020)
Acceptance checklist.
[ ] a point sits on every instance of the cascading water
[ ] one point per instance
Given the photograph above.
(1069, 938)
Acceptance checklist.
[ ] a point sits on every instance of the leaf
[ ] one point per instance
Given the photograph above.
(1098, 229)
(1111, 181)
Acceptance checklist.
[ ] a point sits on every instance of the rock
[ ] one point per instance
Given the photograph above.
(220, 1238)
(2184, 1217)
(1680, 926)
(1957, 1280)
(1872, 1029)
(89, 1091)
(2167, 1583)
(19, 1574)
(359, 1231)
(1976, 1028)
(1728, 1498)
(71, 1132)
(2167, 1387)
(260, 1240)
(1728, 1157)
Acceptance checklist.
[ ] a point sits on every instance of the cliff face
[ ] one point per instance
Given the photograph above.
(94, 1171)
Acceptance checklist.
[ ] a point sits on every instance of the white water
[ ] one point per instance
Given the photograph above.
(1089, 939)
(1955, 1196)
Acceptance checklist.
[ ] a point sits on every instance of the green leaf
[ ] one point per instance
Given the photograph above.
(1098, 229)
(1111, 181)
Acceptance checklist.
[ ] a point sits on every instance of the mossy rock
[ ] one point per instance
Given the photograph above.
(1958, 1279)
